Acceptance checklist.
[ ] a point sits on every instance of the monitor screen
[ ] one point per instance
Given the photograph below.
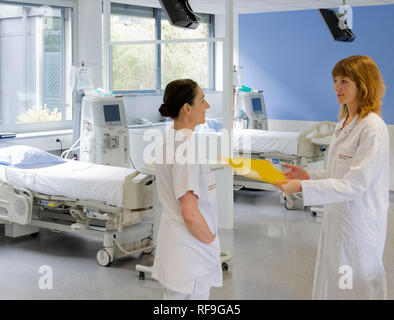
(111, 113)
(256, 105)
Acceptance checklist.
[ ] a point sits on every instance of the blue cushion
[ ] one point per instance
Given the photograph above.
(210, 125)
(26, 156)
(215, 124)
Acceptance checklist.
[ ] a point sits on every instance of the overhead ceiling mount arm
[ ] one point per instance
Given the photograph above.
(345, 15)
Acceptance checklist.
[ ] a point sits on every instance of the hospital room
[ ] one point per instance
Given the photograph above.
(144, 142)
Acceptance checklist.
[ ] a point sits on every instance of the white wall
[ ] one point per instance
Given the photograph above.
(90, 35)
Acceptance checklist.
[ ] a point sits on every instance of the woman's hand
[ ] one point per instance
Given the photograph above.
(289, 186)
(296, 173)
(194, 219)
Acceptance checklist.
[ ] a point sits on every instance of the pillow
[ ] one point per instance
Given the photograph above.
(203, 128)
(210, 125)
(26, 156)
(215, 124)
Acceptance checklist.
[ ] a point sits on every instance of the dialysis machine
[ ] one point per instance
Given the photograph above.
(104, 139)
(250, 112)
(104, 134)
(249, 106)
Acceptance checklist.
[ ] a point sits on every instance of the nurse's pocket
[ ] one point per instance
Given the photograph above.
(343, 161)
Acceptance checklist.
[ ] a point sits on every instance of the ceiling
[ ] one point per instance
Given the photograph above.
(255, 6)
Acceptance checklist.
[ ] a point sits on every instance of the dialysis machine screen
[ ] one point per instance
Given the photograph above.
(111, 113)
(256, 104)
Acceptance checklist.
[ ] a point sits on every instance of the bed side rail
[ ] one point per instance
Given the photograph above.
(322, 129)
(138, 191)
(16, 204)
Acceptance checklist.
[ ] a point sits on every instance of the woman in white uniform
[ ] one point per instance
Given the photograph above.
(354, 189)
(187, 260)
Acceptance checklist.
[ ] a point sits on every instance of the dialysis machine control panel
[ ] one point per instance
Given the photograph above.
(251, 106)
(104, 133)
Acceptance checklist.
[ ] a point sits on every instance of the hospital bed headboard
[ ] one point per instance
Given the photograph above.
(322, 129)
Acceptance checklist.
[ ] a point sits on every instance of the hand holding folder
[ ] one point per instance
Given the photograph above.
(256, 169)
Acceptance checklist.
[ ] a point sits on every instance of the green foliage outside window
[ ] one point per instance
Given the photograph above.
(134, 65)
(128, 28)
(185, 60)
(39, 114)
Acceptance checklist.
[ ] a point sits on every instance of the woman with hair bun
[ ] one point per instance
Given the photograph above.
(187, 260)
(354, 188)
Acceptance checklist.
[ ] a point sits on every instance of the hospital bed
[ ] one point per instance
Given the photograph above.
(279, 147)
(111, 203)
(296, 148)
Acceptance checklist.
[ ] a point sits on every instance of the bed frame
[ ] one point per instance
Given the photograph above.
(309, 149)
(125, 230)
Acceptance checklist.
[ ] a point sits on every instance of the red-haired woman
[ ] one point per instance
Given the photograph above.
(354, 188)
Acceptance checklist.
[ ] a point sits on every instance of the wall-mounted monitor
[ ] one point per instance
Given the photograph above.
(179, 13)
(331, 19)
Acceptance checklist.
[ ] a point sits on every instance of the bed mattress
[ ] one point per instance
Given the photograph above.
(72, 179)
(261, 141)
(267, 141)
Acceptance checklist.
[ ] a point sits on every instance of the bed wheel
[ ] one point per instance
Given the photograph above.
(103, 258)
(148, 251)
(142, 275)
(224, 266)
(288, 203)
(34, 235)
(313, 214)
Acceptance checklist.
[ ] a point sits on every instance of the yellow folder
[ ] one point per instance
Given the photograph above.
(256, 169)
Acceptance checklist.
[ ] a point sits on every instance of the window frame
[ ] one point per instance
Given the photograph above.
(52, 125)
(159, 15)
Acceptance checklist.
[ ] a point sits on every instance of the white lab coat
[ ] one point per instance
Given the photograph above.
(355, 192)
(182, 262)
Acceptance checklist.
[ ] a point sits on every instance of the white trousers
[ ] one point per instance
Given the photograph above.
(174, 295)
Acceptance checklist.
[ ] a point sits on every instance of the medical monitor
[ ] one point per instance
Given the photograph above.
(332, 21)
(179, 13)
(111, 113)
(256, 105)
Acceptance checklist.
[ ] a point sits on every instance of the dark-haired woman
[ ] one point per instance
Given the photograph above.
(187, 260)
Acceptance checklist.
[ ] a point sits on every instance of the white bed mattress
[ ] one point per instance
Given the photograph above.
(262, 141)
(267, 141)
(72, 179)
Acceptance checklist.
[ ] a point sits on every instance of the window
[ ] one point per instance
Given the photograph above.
(35, 56)
(147, 52)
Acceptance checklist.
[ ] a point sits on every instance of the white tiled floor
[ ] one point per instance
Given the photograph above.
(274, 253)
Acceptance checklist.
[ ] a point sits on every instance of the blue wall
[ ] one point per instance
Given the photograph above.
(290, 56)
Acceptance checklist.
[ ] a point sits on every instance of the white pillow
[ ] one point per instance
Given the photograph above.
(26, 156)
